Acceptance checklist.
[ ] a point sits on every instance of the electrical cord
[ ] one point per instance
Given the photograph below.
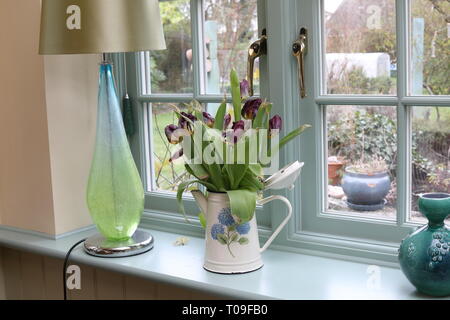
(66, 261)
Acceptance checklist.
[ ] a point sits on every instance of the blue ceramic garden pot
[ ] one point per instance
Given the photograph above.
(365, 189)
(425, 254)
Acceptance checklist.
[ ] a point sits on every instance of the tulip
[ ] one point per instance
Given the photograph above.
(208, 119)
(275, 123)
(250, 108)
(238, 130)
(183, 121)
(174, 134)
(176, 155)
(244, 88)
(226, 121)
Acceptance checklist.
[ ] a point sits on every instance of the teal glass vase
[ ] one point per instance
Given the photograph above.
(425, 254)
(115, 195)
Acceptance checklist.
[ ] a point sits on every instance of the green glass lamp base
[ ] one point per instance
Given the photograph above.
(99, 246)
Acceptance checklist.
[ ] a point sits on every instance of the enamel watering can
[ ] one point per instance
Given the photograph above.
(232, 248)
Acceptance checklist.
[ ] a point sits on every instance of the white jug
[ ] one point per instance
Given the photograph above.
(232, 248)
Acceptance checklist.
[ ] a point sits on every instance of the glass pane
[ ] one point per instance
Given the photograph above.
(362, 158)
(430, 154)
(430, 47)
(229, 29)
(360, 47)
(171, 69)
(166, 174)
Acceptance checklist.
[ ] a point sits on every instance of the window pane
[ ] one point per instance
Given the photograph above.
(362, 154)
(430, 154)
(430, 47)
(166, 174)
(171, 69)
(360, 46)
(229, 29)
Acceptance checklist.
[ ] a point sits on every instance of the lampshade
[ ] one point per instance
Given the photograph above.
(100, 26)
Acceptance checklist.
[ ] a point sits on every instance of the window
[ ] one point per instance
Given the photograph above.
(376, 74)
(200, 54)
(204, 39)
(372, 65)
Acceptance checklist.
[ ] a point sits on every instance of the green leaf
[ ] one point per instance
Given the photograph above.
(189, 170)
(294, 133)
(220, 115)
(256, 169)
(243, 241)
(216, 177)
(266, 119)
(234, 237)
(198, 170)
(223, 239)
(291, 135)
(251, 182)
(182, 187)
(235, 173)
(257, 122)
(202, 218)
(243, 204)
(261, 115)
(235, 94)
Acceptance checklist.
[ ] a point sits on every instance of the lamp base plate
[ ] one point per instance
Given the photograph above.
(99, 246)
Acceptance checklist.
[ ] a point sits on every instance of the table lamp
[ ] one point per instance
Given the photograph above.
(115, 195)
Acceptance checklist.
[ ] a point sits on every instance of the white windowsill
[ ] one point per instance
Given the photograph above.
(285, 275)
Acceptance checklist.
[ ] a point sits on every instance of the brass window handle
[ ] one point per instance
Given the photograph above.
(299, 50)
(256, 49)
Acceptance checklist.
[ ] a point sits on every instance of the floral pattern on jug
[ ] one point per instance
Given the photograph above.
(227, 231)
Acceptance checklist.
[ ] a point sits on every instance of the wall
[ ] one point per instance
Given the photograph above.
(71, 90)
(47, 127)
(31, 276)
(25, 176)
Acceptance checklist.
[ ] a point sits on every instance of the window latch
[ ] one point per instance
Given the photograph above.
(299, 50)
(256, 49)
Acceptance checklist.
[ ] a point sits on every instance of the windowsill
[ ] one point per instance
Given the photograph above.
(285, 275)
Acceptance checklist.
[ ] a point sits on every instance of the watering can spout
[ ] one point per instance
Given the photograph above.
(201, 200)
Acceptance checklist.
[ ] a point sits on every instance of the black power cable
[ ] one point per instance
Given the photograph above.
(66, 261)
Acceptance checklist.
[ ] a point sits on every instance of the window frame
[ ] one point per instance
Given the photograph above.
(311, 230)
(161, 208)
(381, 237)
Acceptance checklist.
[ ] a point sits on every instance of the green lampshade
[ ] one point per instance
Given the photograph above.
(98, 26)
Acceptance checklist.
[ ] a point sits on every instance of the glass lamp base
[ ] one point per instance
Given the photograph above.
(99, 246)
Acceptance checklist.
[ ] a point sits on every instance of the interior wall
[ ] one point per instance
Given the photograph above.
(47, 127)
(25, 176)
(72, 87)
(32, 276)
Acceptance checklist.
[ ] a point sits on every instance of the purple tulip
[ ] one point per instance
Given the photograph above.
(275, 123)
(238, 125)
(238, 130)
(174, 134)
(208, 119)
(250, 108)
(184, 123)
(226, 121)
(176, 155)
(245, 87)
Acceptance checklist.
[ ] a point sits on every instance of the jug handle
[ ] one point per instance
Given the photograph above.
(282, 224)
